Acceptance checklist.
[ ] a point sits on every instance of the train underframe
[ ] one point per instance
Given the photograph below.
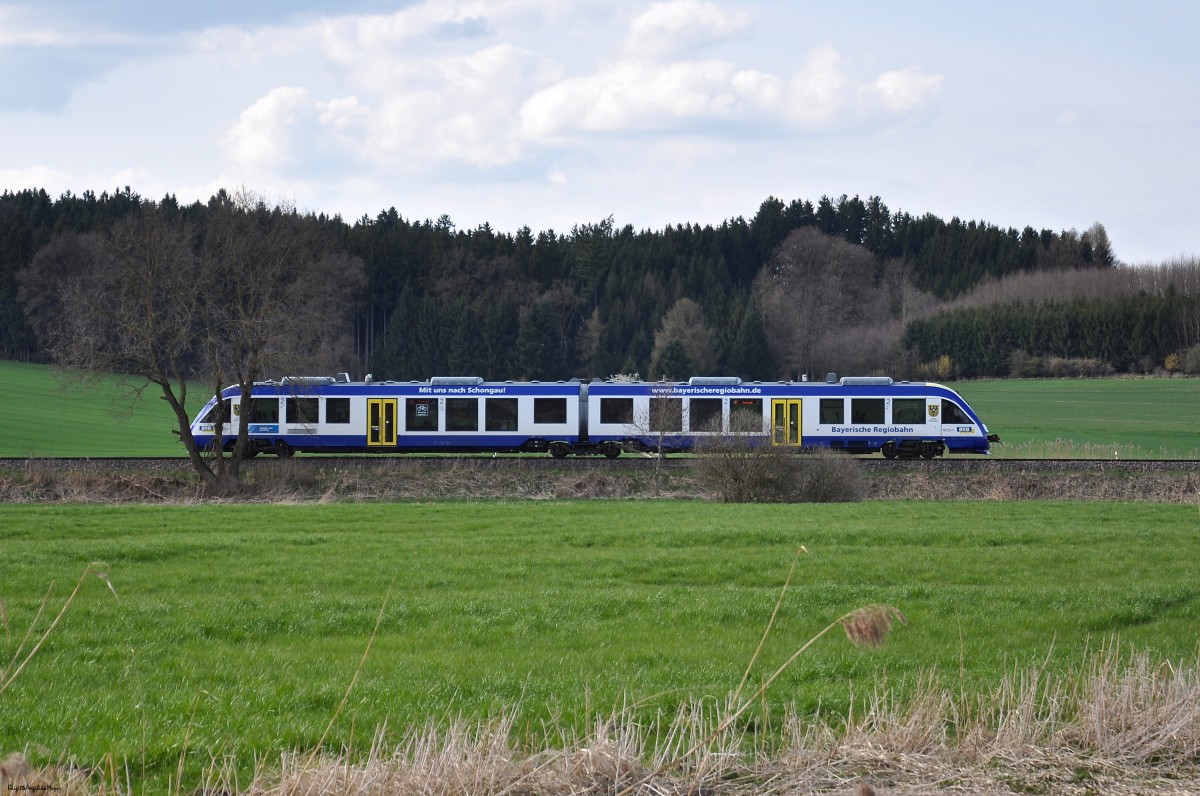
(913, 449)
(893, 449)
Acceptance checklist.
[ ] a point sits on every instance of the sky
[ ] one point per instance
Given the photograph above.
(1055, 114)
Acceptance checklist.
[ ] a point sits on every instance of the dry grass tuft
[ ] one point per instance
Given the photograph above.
(870, 626)
(14, 770)
(1166, 486)
(1120, 725)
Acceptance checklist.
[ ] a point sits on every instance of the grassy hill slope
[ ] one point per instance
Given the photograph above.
(42, 414)
(1090, 418)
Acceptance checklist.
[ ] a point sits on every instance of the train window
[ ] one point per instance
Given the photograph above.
(866, 410)
(666, 414)
(337, 410)
(218, 414)
(302, 410)
(421, 414)
(264, 410)
(953, 413)
(616, 410)
(908, 410)
(462, 414)
(745, 414)
(705, 414)
(833, 411)
(549, 410)
(500, 414)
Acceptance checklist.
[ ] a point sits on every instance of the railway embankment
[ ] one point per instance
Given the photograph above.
(539, 478)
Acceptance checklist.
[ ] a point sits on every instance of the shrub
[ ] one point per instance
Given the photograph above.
(829, 477)
(1064, 368)
(1191, 361)
(944, 368)
(743, 469)
(1025, 366)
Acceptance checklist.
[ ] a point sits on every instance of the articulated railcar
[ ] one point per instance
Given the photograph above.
(468, 414)
(447, 414)
(855, 414)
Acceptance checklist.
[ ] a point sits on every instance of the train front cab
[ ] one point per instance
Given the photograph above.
(864, 415)
(859, 415)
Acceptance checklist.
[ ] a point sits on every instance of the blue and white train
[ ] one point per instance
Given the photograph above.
(469, 415)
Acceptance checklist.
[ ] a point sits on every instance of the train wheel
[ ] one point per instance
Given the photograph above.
(248, 453)
(559, 450)
(931, 450)
(890, 451)
(610, 450)
(283, 450)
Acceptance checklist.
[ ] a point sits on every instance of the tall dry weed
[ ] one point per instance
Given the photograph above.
(1120, 724)
(24, 652)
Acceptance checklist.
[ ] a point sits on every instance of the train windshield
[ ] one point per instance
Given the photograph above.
(953, 413)
(215, 413)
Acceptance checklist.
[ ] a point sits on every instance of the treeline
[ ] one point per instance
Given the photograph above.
(800, 287)
(1137, 332)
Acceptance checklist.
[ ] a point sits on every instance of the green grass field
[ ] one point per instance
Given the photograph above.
(43, 415)
(238, 627)
(1091, 418)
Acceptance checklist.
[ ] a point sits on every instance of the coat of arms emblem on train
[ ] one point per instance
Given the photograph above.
(933, 410)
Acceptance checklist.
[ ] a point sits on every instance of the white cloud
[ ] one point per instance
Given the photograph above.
(467, 113)
(818, 90)
(343, 113)
(131, 177)
(904, 90)
(645, 96)
(637, 96)
(17, 31)
(261, 138)
(447, 83)
(680, 26)
(52, 179)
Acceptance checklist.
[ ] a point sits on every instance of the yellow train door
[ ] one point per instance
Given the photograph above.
(785, 421)
(381, 421)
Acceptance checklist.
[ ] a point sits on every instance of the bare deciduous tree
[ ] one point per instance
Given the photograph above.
(684, 323)
(814, 289)
(160, 301)
(124, 304)
(276, 295)
(1090, 284)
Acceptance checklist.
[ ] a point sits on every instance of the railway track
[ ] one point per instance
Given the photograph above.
(868, 463)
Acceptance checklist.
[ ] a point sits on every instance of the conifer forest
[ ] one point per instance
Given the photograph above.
(796, 290)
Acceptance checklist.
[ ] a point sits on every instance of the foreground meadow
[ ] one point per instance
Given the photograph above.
(235, 630)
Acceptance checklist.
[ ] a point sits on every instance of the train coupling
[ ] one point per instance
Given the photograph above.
(994, 438)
